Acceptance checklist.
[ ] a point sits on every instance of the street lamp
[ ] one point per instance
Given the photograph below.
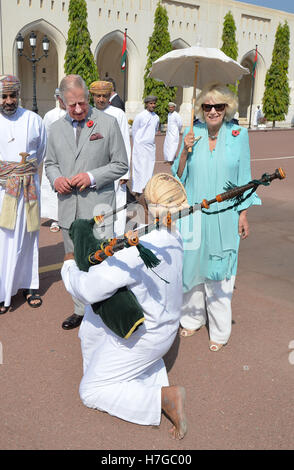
(33, 59)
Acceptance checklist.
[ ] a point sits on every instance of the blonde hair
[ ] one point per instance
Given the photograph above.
(220, 94)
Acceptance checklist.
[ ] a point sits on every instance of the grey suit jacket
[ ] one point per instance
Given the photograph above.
(101, 151)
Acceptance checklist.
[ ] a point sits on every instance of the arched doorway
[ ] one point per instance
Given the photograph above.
(244, 89)
(49, 70)
(46, 75)
(108, 61)
(245, 86)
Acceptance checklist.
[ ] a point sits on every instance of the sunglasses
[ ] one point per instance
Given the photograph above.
(217, 107)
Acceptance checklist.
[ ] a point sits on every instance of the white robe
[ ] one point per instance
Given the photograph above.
(49, 201)
(257, 116)
(124, 376)
(171, 141)
(144, 128)
(121, 190)
(22, 132)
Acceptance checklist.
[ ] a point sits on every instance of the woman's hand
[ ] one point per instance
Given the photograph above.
(243, 225)
(189, 140)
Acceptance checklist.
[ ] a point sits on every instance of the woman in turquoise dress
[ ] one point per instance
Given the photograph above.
(220, 155)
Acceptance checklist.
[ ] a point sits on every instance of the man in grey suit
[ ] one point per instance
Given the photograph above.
(85, 155)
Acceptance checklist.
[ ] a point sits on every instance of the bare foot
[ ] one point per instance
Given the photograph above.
(172, 403)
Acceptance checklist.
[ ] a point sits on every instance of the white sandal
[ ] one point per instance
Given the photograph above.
(214, 347)
(54, 227)
(186, 333)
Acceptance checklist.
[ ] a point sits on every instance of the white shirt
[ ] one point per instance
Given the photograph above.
(121, 118)
(144, 129)
(160, 301)
(171, 141)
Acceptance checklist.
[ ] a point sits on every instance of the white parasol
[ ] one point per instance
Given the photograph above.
(196, 66)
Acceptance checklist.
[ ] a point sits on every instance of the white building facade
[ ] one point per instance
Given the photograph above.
(190, 21)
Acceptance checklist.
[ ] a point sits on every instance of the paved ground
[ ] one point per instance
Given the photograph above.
(239, 398)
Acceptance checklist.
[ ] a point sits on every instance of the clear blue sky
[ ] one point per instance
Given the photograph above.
(284, 5)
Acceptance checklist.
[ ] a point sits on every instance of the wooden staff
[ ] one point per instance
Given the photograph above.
(193, 100)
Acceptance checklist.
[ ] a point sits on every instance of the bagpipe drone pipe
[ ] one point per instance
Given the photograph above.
(122, 313)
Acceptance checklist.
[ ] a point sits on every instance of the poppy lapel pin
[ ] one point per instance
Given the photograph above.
(236, 132)
(90, 123)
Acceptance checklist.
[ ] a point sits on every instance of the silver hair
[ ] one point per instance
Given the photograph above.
(72, 81)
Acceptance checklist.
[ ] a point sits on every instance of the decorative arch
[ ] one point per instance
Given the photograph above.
(108, 58)
(49, 70)
(179, 43)
(245, 85)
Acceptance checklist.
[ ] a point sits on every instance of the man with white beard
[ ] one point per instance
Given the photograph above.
(101, 92)
(22, 149)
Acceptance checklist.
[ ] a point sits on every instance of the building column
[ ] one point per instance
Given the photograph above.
(186, 106)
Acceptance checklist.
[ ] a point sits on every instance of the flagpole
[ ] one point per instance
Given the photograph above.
(125, 72)
(252, 89)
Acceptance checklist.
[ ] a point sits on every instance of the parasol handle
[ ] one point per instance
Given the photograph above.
(239, 190)
(193, 100)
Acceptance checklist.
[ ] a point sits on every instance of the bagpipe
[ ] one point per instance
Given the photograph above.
(122, 313)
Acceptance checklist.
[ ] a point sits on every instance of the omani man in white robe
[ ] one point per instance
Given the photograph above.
(127, 378)
(49, 202)
(22, 132)
(144, 129)
(171, 141)
(257, 116)
(101, 91)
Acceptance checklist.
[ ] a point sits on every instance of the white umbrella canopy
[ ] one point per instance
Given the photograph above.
(196, 66)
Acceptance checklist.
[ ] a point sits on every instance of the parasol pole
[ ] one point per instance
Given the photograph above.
(193, 100)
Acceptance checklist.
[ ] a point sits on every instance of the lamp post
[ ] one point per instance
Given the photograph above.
(33, 59)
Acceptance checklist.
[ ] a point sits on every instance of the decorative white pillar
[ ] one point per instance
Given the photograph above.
(134, 104)
(186, 106)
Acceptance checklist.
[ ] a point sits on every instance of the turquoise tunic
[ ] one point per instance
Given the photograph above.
(211, 241)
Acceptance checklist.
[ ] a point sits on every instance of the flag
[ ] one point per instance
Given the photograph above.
(254, 64)
(124, 53)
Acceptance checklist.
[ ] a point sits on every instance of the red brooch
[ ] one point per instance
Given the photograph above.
(236, 132)
(90, 123)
